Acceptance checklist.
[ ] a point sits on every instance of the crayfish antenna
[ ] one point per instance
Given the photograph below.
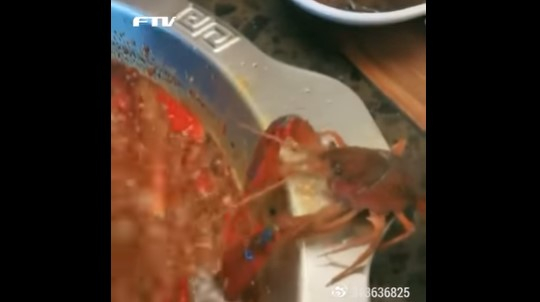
(290, 143)
(399, 147)
(263, 134)
(251, 197)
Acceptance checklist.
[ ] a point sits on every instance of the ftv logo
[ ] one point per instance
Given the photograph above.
(154, 21)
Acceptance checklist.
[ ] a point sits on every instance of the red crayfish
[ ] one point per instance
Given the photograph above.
(267, 220)
(359, 179)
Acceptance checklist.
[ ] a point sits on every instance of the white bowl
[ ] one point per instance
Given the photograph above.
(359, 18)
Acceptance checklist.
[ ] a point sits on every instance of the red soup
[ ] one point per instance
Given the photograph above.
(169, 183)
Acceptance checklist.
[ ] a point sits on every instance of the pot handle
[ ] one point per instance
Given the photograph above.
(271, 88)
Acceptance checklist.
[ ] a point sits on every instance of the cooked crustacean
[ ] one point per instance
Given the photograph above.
(359, 179)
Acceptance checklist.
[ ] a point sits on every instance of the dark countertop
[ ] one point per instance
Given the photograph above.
(280, 30)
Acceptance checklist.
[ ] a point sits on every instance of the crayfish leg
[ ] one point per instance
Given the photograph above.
(317, 222)
(335, 224)
(378, 222)
(399, 147)
(358, 241)
(409, 230)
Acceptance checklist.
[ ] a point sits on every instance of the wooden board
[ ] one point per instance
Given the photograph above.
(393, 58)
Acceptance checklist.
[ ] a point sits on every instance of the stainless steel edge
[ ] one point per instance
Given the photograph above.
(272, 89)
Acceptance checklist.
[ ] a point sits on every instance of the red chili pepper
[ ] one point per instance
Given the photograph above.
(181, 119)
(120, 96)
(184, 290)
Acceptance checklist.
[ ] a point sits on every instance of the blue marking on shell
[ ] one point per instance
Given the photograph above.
(248, 254)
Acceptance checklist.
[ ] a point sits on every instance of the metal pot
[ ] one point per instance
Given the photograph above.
(226, 79)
